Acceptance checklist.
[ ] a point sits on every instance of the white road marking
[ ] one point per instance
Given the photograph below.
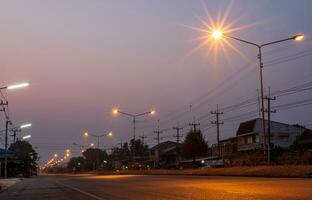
(81, 191)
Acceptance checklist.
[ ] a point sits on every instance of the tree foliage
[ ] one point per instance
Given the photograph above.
(140, 148)
(25, 155)
(94, 157)
(78, 164)
(194, 145)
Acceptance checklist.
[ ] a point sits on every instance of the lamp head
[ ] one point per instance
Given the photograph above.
(217, 34)
(298, 37)
(115, 111)
(110, 134)
(17, 86)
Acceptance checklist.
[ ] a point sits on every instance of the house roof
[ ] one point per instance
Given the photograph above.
(231, 139)
(163, 145)
(246, 127)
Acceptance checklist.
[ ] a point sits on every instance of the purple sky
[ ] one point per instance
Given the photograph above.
(84, 58)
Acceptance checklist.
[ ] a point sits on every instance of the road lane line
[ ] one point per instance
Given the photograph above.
(81, 191)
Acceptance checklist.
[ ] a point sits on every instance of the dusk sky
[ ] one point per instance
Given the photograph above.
(84, 58)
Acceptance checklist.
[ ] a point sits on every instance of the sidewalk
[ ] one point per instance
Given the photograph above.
(6, 183)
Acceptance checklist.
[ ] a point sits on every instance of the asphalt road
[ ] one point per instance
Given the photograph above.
(158, 187)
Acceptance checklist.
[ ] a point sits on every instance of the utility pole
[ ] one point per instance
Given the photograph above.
(157, 137)
(158, 132)
(259, 107)
(217, 122)
(7, 123)
(143, 138)
(120, 144)
(14, 135)
(194, 125)
(177, 128)
(269, 111)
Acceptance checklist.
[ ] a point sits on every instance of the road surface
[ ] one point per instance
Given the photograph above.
(124, 187)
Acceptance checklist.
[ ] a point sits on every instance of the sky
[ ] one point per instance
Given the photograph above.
(84, 58)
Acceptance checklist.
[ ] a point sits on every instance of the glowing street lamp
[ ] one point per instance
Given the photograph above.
(55, 155)
(298, 37)
(15, 86)
(26, 137)
(92, 144)
(133, 116)
(109, 134)
(217, 34)
(25, 125)
(8, 122)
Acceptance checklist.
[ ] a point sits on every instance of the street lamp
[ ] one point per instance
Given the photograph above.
(26, 137)
(133, 116)
(87, 134)
(15, 86)
(17, 129)
(8, 122)
(218, 34)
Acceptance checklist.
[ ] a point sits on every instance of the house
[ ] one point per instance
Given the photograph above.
(2, 160)
(164, 155)
(250, 135)
(226, 148)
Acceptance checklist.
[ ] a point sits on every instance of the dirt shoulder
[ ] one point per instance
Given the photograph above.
(289, 171)
(6, 183)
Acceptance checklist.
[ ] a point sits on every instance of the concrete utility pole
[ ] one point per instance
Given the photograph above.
(194, 125)
(120, 144)
(15, 131)
(259, 107)
(143, 138)
(177, 128)
(269, 111)
(157, 135)
(158, 132)
(7, 123)
(217, 122)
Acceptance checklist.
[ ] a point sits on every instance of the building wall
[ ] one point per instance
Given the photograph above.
(282, 135)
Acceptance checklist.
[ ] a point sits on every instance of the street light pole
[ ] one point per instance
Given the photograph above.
(133, 116)
(218, 34)
(8, 122)
(110, 134)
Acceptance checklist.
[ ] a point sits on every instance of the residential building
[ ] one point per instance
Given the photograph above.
(226, 147)
(250, 135)
(164, 155)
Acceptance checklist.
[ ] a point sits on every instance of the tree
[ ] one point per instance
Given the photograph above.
(140, 148)
(77, 164)
(94, 157)
(194, 145)
(25, 156)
